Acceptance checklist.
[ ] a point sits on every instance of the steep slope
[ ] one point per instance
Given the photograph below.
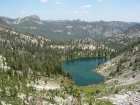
(133, 29)
(123, 77)
(24, 59)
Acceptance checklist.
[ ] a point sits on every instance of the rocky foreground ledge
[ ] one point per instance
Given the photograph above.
(128, 98)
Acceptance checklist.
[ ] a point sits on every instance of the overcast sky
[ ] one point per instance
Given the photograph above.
(88, 10)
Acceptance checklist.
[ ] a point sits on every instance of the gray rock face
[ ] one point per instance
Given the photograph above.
(10, 21)
(120, 41)
(19, 20)
(33, 18)
(133, 29)
(130, 98)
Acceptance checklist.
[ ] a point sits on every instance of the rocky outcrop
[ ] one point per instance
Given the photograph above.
(19, 20)
(128, 98)
(33, 18)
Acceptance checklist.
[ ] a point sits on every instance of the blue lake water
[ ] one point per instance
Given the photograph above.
(82, 70)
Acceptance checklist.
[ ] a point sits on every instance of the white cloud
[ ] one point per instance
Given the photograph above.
(86, 6)
(57, 2)
(73, 12)
(23, 12)
(44, 0)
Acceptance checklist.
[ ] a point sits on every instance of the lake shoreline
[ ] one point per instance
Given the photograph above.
(82, 70)
(101, 75)
(83, 57)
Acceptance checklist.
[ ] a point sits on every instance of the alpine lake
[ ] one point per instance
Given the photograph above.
(82, 70)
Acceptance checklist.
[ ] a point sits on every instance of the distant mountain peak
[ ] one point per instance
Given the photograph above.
(19, 20)
(33, 18)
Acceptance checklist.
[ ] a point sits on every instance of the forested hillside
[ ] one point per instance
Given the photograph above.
(25, 58)
(31, 71)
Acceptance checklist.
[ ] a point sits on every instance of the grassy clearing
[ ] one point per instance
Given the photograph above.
(90, 89)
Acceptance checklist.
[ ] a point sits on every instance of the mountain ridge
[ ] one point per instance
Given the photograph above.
(68, 30)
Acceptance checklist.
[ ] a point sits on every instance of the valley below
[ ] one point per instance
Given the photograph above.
(31, 72)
